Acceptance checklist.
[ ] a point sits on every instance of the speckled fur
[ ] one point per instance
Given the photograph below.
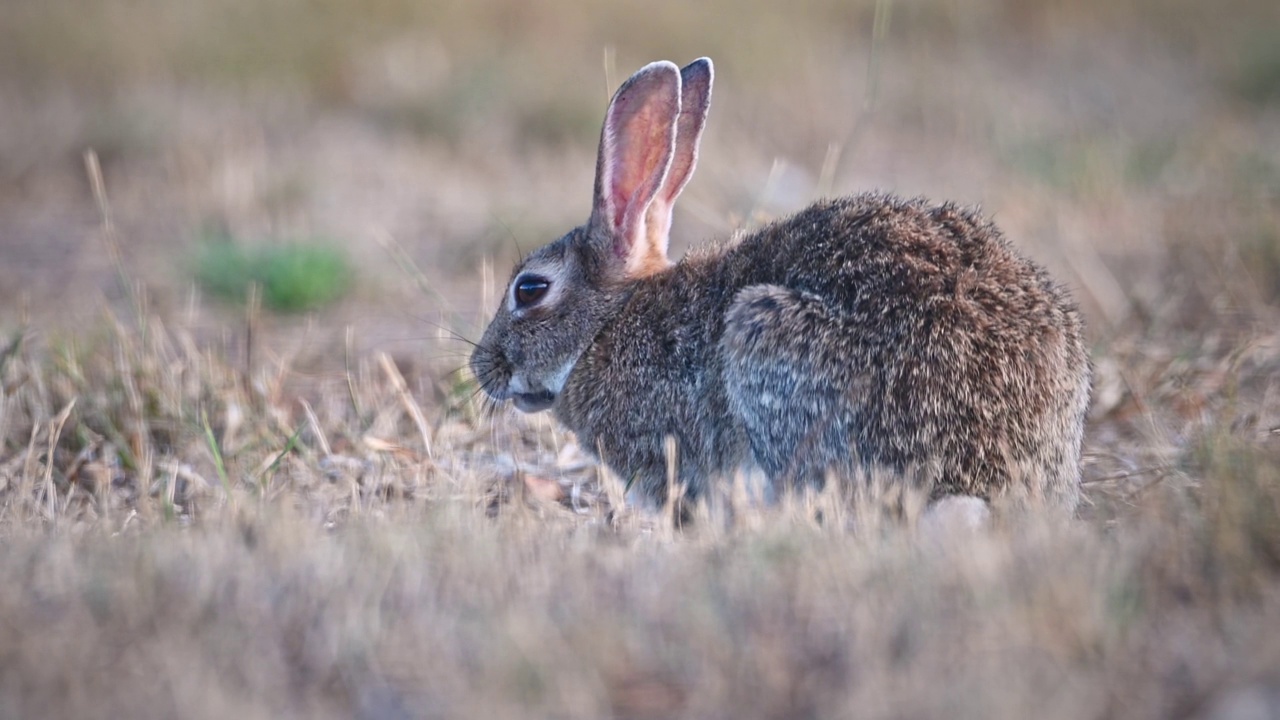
(867, 331)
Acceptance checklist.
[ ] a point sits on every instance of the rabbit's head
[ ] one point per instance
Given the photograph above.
(560, 295)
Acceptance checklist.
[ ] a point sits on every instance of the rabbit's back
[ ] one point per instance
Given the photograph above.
(876, 331)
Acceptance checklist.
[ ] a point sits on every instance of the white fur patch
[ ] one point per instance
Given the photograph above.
(555, 383)
(955, 513)
(518, 384)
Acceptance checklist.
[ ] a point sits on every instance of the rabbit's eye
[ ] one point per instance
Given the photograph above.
(530, 290)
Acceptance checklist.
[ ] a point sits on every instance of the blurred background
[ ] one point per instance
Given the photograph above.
(381, 162)
(218, 494)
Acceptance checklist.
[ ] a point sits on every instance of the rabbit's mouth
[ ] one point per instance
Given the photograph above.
(533, 402)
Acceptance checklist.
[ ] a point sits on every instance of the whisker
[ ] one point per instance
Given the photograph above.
(457, 370)
(515, 242)
(425, 339)
(452, 334)
(444, 356)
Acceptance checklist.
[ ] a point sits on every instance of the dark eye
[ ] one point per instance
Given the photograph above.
(530, 290)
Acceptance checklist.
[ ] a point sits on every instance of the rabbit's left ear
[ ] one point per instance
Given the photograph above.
(695, 100)
(636, 147)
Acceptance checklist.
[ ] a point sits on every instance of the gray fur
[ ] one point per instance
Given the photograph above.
(862, 332)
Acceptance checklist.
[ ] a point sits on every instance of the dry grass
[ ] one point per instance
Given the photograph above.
(183, 538)
(210, 511)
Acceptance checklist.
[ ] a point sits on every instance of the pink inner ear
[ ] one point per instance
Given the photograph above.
(640, 152)
(635, 152)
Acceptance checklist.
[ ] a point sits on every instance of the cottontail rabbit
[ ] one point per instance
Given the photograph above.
(863, 332)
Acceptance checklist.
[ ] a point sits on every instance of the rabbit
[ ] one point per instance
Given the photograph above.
(865, 332)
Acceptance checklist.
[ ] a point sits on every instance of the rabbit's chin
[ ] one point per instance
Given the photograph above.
(533, 402)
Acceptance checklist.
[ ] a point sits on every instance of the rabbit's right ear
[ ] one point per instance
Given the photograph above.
(636, 147)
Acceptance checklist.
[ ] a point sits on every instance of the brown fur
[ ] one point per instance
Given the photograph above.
(862, 332)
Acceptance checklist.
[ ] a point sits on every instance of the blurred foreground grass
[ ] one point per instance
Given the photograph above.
(437, 612)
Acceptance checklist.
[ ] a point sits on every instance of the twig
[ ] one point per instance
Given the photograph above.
(55, 433)
(406, 400)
